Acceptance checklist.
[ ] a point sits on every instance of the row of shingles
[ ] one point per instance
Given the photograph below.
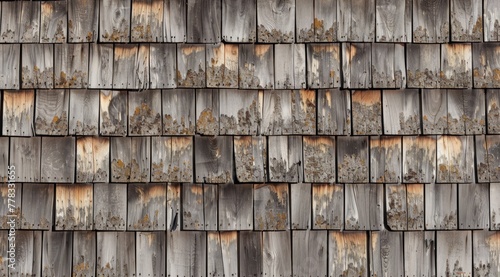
(212, 21)
(248, 66)
(303, 253)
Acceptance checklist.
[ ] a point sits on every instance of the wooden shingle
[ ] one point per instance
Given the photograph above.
(356, 65)
(285, 159)
(214, 159)
(37, 211)
(250, 158)
(18, 113)
(367, 112)
(51, 113)
(401, 112)
(74, 207)
(222, 247)
(204, 21)
(300, 206)
(146, 207)
(494, 206)
(473, 207)
(83, 16)
(304, 20)
(388, 65)
(110, 206)
(474, 111)
(334, 112)
(488, 158)
(393, 21)
(130, 159)
(83, 112)
(173, 206)
(325, 20)
(116, 253)
(240, 112)
(113, 113)
(455, 159)
(347, 252)
(114, 28)
(171, 159)
(222, 65)
(466, 20)
(20, 22)
(309, 253)
(395, 207)
(57, 251)
(162, 65)
(192, 207)
(210, 206)
(71, 66)
(423, 65)
(323, 66)
(151, 254)
(356, 20)
(37, 66)
(319, 159)
(28, 262)
(486, 64)
(415, 206)
(58, 159)
(431, 21)
(272, 243)
(419, 159)
(275, 21)
(441, 206)
(456, 112)
(92, 159)
(386, 246)
(11, 208)
(250, 258)
(385, 159)
(485, 248)
(10, 55)
(191, 65)
(256, 66)
(144, 109)
(101, 66)
(491, 13)
(207, 111)
(434, 111)
(187, 252)
(454, 250)
(352, 159)
(236, 207)
(147, 21)
(174, 20)
(25, 156)
(328, 206)
(456, 65)
(53, 22)
(84, 253)
(364, 207)
(239, 20)
(131, 66)
(289, 66)
(493, 104)
(421, 246)
(271, 207)
(178, 107)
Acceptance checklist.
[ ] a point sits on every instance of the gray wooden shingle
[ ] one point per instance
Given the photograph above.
(92, 159)
(51, 113)
(285, 159)
(319, 159)
(83, 112)
(485, 249)
(395, 207)
(74, 207)
(214, 159)
(273, 264)
(388, 65)
(4, 159)
(71, 66)
(28, 262)
(289, 66)
(11, 208)
(151, 254)
(271, 207)
(83, 16)
(304, 20)
(147, 21)
(328, 206)
(37, 66)
(53, 22)
(18, 113)
(10, 55)
(415, 206)
(101, 66)
(364, 206)
(146, 207)
(222, 247)
(162, 65)
(466, 20)
(393, 21)
(334, 112)
(419, 159)
(58, 159)
(347, 254)
(192, 207)
(144, 109)
(401, 112)
(191, 66)
(352, 159)
(240, 112)
(207, 111)
(454, 253)
(421, 246)
(20, 22)
(210, 206)
(114, 28)
(222, 65)
(325, 20)
(113, 113)
(236, 207)
(250, 258)
(386, 246)
(84, 253)
(178, 107)
(204, 21)
(172, 159)
(275, 21)
(300, 206)
(256, 66)
(473, 209)
(455, 159)
(37, 211)
(239, 20)
(423, 65)
(250, 158)
(110, 206)
(491, 12)
(323, 66)
(456, 65)
(431, 21)
(187, 252)
(131, 66)
(356, 65)
(367, 112)
(310, 253)
(385, 159)
(130, 159)
(116, 254)
(25, 157)
(356, 20)
(174, 20)
(486, 64)
(57, 251)
(441, 207)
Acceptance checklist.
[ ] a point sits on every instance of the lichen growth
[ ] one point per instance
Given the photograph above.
(352, 169)
(58, 125)
(207, 123)
(145, 121)
(274, 35)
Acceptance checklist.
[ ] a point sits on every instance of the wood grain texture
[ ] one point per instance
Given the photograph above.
(386, 246)
(83, 112)
(275, 21)
(352, 159)
(204, 21)
(84, 253)
(454, 253)
(415, 206)
(222, 248)
(113, 113)
(174, 20)
(71, 65)
(192, 207)
(4, 247)
(419, 159)
(239, 20)
(173, 206)
(385, 159)
(364, 207)
(309, 253)
(120, 159)
(325, 20)
(421, 246)
(466, 20)
(83, 16)
(171, 159)
(25, 156)
(441, 206)
(319, 159)
(116, 253)
(388, 67)
(423, 64)
(323, 70)
(456, 64)
(250, 158)
(144, 109)
(434, 111)
(486, 249)
(271, 207)
(101, 66)
(236, 207)
(491, 12)
(393, 20)
(256, 66)
(356, 65)
(492, 158)
(147, 21)
(250, 256)
(37, 66)
(367, 112)
(401, 112)
(482, 160)
(131, 66)
(214, 159)
(114, 21)
(473, 210)
(285, 159)
(20, 22)
(53, 22)
(146, 207)
(191, 63)
(150, 251)
(431, 21)
(187, 252)
(210, 206)
(304, 20)
(4, 159)
(37, 216)
(395, 207)
(110, 206)
(456, 111)
(51, 113)
(74, 207)
(14, 194)
(328, 206)
(455, 159)
(10, 60)
(57, 250)
(474, 111)
(222, 65)
(300, 206)
(493, 109)
(28, 262)
(276, 254)
(240, 112)
(207, 111)
(486, 64)
(58, 159)
(178, 107)
(494, 206)
(277, 112)
(18, 113)
(333, 112)
(290, 66)
(356, 20)
(347, 254)
(162, 65)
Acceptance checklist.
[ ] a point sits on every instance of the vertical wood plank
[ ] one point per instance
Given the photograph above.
(386, 246)
(323, 70)
(466, 20)
(210, 206)
(352, 159)
(53, 22)
(304, 112)
(150, 253)
(240, 112)
(289, 66)
(304, 21)
(250, 158)
(276, 254)
(421, 247)
(120, 159)
(172, 159)
(101, 66)
(493, 157)
(473, 210)
(256, 66)
(456, 113)
(431, 21)
(319, 159)
(84, 253)
(401, 112)
(204, 21)
(178, 107)
(367, 112)
(56, 253)
(454, 253)
(58, 159)
(239, 20)
(146, 207)
(187, 253)
(235, 207)
(18, 112)
(485, 252)
(388, 65)
(482, 169)
(285, 159)
(83, 112)
(222, 65)
(191, 65)
(140, 154)
(491, 18)
(393, 20)
(396, 208)
(144, 109)
(131, 66)
(494, 206)
(116, 253)
(222, 248)
(114, 28)
(214, 159)
(147, 21)
(5, 210)
(419, 159)
(334, 112)
(4, 158)
(356, 65)
(310, 251)
(110, 206)
(271, 207)
(25, 156)
(11, 17)
(415, 206)
(71, 65)
(51, 113)
(37, 66)
(456, 65)
(113, 113)
(325, 20)
(385, 159)
(162, 65)
(74, 208)
(441, 206)
(364, 207)
(174, 20)
(423, 64)
(192, 207)
(39, 215)
(455, 159)
(250, 253)
(207, 111)
(356, 20)
(300, 203)
(83, 16)
(5, 261)
(347, 254)
(28, 260)
(328, 206)
(10, 55)
(275, 21)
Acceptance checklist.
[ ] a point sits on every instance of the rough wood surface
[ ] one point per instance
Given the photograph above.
(20, 22)
(57, 249)
(250, 158)
(493, 108)
(101, 66)
(256, 66)
(271, 207)
(192, 207)
(325, 20)
(328, 206)
(214, 159)
(58, 159)
(83, 112)
(236, 207)
(423, 64)
(401, 112)
(191, 62)
(485, 250)
(357, 65)
(187, 252)
(347, 254)
(171, 159)
(25, 156)
(309, 253)
(276, 253)
(304, 20)
(204, 21)
(364, 206)
(174, 20)
(388, 67)
(240, 112)
(10, 60)
(120, 159)
(147, 21)
(466, 20)
(421, 246)
(393, 20)
(239, 20)
(486, 64)
(434, 111)
(18, 113)
(74, 207)
(151, 254)
(289, 66)
(473, 210)
(334, 112)
(210, 206)
(352, 159)
(178, 108)
(431, 21)
(441, 206)
(356, 20)
(116, 253)
(415, 206)
(367, 112)
(114, 28)
(396, 208)
(222, 248)
(455, 159)
(319, 159)
(144, 116)
(456, 63)
(300, 206)
(285, 159)
(84, 253)
(37, 66)
(385, 159)
(419, 159)
(71, 65)
(37, 211)
(454, 253)
(51, 112)
(173, 206)
(323, 70)
(83, 18)
(28, 262)
(275, 21)
(113, 113)
(53, 22)
(491, 20)
(207, 111)
(162, 66)
(146, 208)
(13, 194)
(222, 65)
(131, 66)
(110, 206)
(385, 247)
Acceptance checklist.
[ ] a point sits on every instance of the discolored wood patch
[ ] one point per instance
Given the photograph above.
(74, 207)
(347, 253)
(71, 65)
(191, 66)
(326, 70)
(82, 26)
(146, 206)
(285, 159)
(110, 206)
(396, 207)
(20, 22)
(456, 62)
(466, 21)
(214, 159)
(144, 113)
(146, 21)
(385, 159)
(207, 111)
(485, 246)
(334, 112)
(84, 253)
(319, 159)
(352, 159)
(222, 247)
(92, 160)
(454, 253)
(37, 66)
(423, 65)
(277, 242)
(415, 206)
(357, 65)
(250, 158)
(367, 112)
(236, 207)
(222, 65)
(419, 159)
(174, 23)
(51, 113)
(486, 65)
(388, 67)
(325, 21)
(131, 66)
(328, 206)
(204, 21)
(304, 20)
(113, 113)
(455, 159)
(364, 207)
(473, 208)
(491, 21)
(256, 66)
(7, 211)
(186, 246)
(193, 216)
(434, 111)
(57, 248)
(488, 158)
(271, 207)
(53, 22)
(172, 159)
(18, 109)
